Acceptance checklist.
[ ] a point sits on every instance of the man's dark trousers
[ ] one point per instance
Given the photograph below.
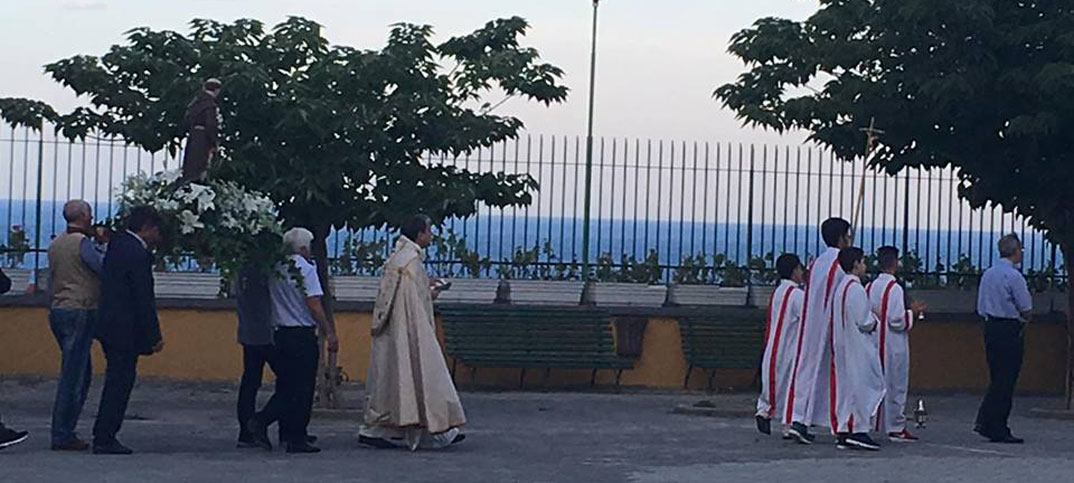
(118, 382)
(295, 365)
(254, 358)
(1004, 347)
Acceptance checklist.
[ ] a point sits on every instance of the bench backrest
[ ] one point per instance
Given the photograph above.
(482, 329)
(729, 340)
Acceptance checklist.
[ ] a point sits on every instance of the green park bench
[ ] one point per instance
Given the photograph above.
(509, 336)
(729, 338)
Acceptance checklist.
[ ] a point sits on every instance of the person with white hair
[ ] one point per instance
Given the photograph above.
(297, 314)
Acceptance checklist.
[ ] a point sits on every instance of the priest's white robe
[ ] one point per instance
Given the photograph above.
(888, 302)
(781, 336)
(410, 393)
(807, 398)
(858, 384)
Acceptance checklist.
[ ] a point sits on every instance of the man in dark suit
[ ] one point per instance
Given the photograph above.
(128, 326)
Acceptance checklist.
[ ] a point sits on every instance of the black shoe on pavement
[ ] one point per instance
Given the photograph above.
(112, 448)
(311, 439)
(458, 439)
(378, 443)
(73, 445)
(862, 441)
(841, 441)
(1008, 439)
(302, 448)
(764, 425)
(258, 434)
(9, 437)
(801, 433)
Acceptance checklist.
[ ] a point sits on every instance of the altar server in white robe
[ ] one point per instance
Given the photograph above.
(807, 398)
(888, 302)
(858, 380)
(411, 399)
(781, 335)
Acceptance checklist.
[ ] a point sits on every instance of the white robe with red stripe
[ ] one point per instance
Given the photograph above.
(807, 398)
(888, 303)
(858, 380)
(781, 336)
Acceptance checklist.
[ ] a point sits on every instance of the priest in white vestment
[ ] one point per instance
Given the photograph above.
(411, 398)
(858, 380)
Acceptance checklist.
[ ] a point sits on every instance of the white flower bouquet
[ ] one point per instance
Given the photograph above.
(212, 220)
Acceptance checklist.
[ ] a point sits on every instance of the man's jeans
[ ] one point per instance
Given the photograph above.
(73, 330)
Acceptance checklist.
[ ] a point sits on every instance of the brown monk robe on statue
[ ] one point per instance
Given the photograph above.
(412, 401)
(202, 124)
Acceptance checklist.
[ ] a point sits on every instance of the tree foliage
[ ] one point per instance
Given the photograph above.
(336, 135)
(983, 85)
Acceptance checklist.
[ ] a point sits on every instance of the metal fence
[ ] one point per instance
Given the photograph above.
(701, 212)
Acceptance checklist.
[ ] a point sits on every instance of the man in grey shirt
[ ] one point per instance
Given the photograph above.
(1003, 300)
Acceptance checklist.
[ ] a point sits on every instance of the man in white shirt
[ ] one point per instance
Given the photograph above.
(298, 315)
(888, 302)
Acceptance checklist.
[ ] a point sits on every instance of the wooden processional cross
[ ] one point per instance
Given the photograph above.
(871, 135)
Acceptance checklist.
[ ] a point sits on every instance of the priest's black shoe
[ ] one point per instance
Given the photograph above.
(1008, 439)
(302, 448)
(112, 448)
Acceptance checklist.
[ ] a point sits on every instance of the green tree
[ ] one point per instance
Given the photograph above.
(980, 85)
(336, 135)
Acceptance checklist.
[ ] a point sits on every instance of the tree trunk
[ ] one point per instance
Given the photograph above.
(328, 380)
(1068, 252)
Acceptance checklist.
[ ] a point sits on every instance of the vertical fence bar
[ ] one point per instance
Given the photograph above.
(749, 226)
(623, 211)
(600, 191)
(563, 202)
(752, 201)
(40, 184)
(551, 193)
(906, 217)
(797, 194)
(705, 207)
(671, 198)
(637, 177)
(659, 189)
(738, 208)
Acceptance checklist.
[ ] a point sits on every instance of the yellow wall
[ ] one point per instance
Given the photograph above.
(200, 345)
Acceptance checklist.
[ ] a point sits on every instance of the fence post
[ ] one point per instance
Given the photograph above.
(906, 217)
(749, 232)
(37, 216)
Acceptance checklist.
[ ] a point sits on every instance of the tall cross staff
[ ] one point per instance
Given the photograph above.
(871, 134)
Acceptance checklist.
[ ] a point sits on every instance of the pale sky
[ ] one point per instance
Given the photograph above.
(657, 63)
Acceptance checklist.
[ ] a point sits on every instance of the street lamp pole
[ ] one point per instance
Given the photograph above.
(589, 148)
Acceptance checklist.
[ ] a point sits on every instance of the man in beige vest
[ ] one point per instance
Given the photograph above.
(75, 262)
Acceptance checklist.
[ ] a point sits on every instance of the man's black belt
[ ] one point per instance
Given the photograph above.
(989, 318)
